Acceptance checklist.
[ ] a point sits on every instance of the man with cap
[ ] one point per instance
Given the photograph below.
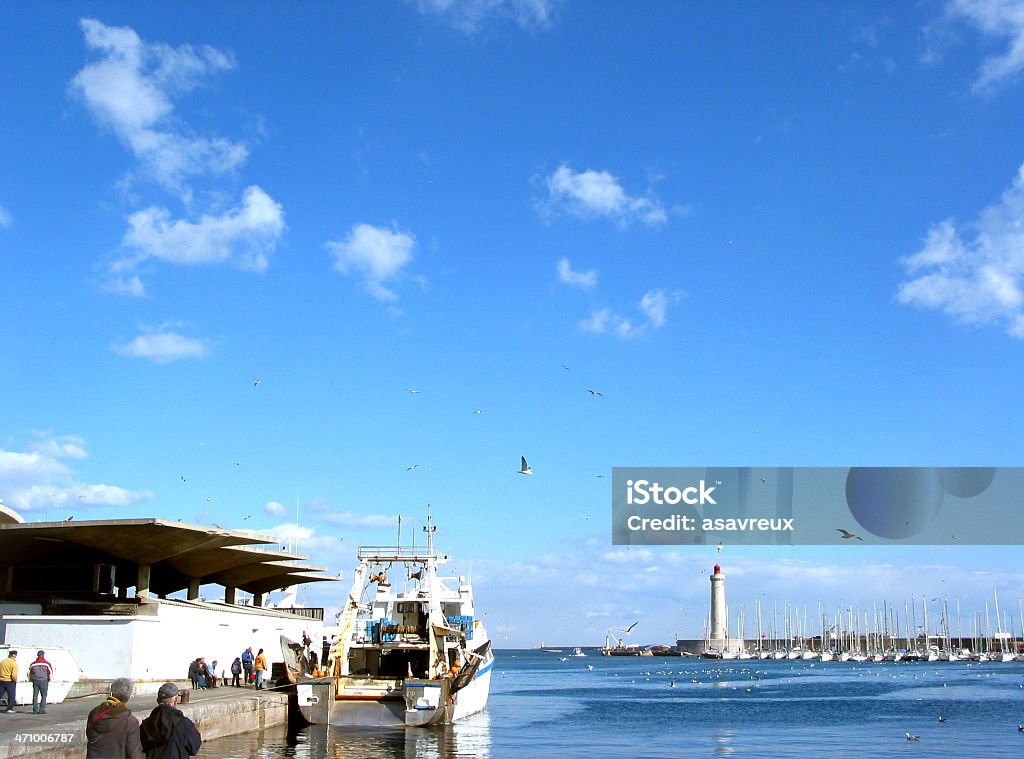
(167, 733)
(9, 678)
(112, 730)
(40, 672)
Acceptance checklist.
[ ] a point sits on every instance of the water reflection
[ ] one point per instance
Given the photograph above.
(470, 737)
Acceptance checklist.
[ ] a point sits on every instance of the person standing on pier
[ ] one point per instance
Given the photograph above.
(167, 733)
(9, 679)
(112, 730)
(40, 672)
(236, 671)
(247, 658)
(260, 665)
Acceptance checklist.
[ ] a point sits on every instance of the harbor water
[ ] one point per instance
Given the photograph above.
(671, 707)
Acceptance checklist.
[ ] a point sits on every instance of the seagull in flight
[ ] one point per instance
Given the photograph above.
(847, 534)
(719, 548)
(411, 390)
(629, 629)
(525, 468)
(409, 469)
(594, 392)
(256, 381)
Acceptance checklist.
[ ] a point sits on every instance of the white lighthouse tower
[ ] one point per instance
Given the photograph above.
(717, 641)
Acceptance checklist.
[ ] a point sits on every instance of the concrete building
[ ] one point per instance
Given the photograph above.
(101, 589)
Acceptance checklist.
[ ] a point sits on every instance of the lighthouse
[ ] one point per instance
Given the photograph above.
(717, 641)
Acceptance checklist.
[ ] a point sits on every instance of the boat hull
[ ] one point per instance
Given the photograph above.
(414, 702)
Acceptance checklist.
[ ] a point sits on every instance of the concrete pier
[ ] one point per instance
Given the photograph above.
(60, 732)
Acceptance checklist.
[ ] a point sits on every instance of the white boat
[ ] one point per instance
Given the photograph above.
(66, 670)
(577, 652)
(410, 652)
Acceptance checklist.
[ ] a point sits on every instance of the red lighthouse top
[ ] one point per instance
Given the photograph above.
(718, 569)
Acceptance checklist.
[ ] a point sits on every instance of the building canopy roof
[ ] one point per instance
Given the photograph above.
(175, 552)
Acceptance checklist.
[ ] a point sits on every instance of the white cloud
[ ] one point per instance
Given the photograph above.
(469, 15)
(654, 305)
(1000, 19)
(304, 540)
(274, 508)
(5, 217)
(244, 235)
(130, 89)
(592, 193)
(379, 254)
(976, 280)
(583, 279)
(131, 286)
(40, 480)
(163, 347)
(353, 520)
(62, 447)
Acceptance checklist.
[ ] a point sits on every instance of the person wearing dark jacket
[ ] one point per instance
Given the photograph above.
(40, 672)
(167, 733)
(195, 674)
(236, 671)
(112, 731)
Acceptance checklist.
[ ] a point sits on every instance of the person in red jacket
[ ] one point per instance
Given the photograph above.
(40, 672)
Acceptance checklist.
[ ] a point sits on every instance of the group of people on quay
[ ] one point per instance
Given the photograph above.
(40, 672)
(114, 732)
(247, 669)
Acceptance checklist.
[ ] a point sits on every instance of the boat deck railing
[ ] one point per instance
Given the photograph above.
(398, 553)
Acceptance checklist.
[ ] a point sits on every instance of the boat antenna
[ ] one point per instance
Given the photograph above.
(294, 547)
(429, 528)
(399, 531)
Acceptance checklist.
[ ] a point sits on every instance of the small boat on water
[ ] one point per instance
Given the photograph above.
(410, 648)
(577, 652)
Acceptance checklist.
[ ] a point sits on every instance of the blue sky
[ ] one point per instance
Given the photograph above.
(771, 235)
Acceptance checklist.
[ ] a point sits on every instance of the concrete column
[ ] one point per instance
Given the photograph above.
(193, 589)
(142, 581)
(229, 596)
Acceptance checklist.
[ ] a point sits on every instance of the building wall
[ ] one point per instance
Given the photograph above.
(152, 649)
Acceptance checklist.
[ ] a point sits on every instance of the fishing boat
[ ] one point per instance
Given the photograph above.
(410, 649)
(577, 652)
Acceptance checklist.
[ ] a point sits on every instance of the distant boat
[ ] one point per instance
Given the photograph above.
(577, 652)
